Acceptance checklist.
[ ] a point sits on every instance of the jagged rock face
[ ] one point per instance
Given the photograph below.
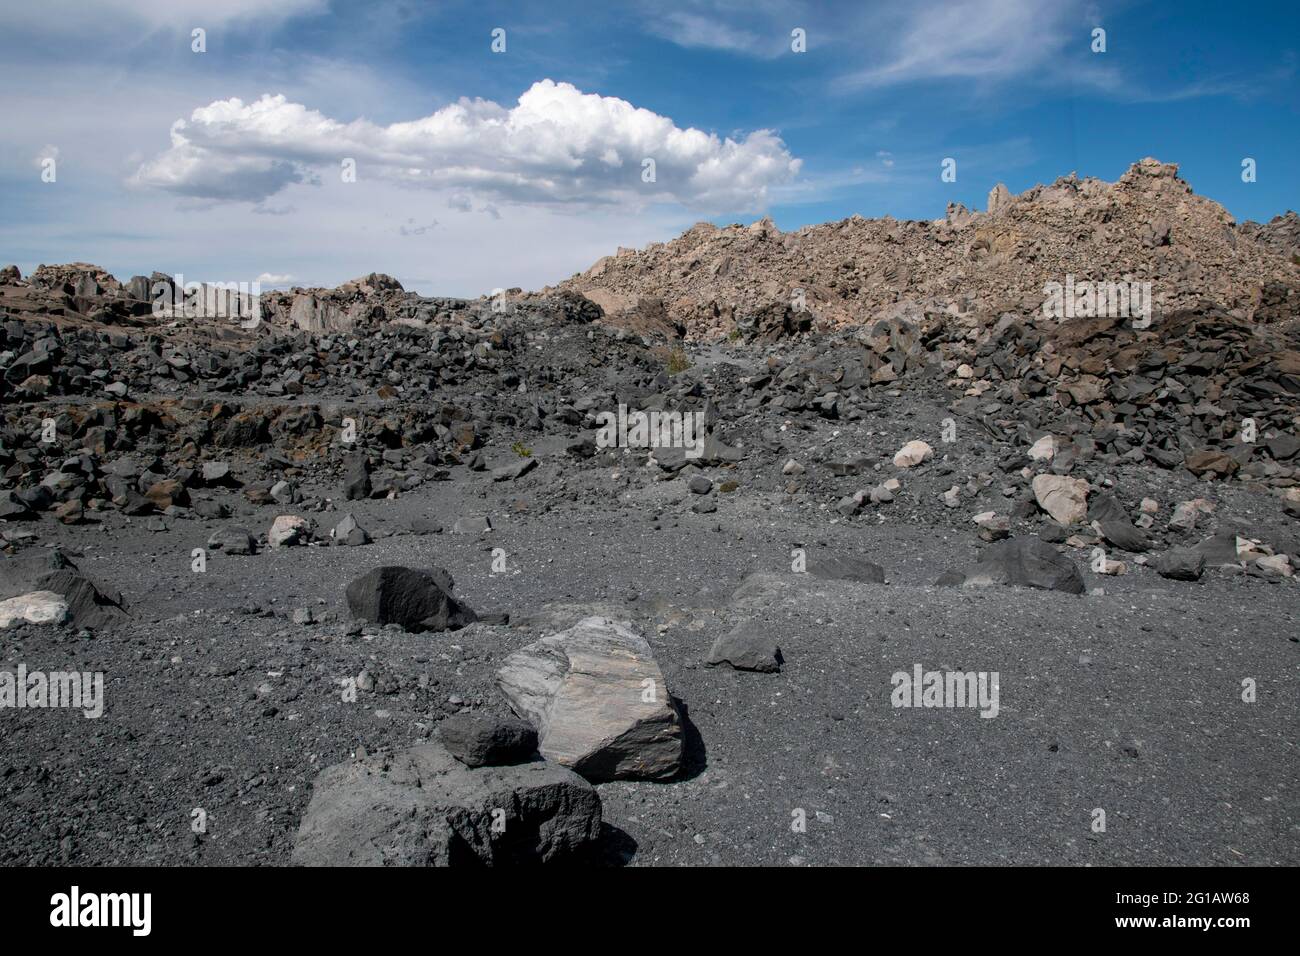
(313, 315)
(373, 283)
(1281, 234)
(79, 278)
(1148, 226)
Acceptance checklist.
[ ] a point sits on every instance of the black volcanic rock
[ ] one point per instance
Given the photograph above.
(1124, 535)
(1026, 562)
(415, 600)
(1181, 564)
(747, 648)
(88, 604)
(479, 740)
(356, 482)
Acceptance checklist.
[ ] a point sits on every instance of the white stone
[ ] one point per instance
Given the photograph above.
(913, 453)
(1065, 499)
(288, 530)
(35, 607)
(1044, 449)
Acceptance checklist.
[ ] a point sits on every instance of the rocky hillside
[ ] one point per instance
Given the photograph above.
(1147, 227)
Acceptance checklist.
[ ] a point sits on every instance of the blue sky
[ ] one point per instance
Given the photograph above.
(540, 170)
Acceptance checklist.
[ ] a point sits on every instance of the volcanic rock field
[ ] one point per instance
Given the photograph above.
(379, 579)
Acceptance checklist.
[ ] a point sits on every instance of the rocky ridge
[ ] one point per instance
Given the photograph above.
(967, 268)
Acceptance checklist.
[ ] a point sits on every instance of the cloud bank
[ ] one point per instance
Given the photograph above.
(557, 145)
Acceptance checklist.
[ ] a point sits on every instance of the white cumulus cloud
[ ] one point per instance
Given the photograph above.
(557, 145)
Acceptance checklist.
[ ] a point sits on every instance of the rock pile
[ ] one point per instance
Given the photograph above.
(1148, 226)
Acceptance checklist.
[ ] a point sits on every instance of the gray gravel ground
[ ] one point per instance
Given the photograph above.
(1127, 700)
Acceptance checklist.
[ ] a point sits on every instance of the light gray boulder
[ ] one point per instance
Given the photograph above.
(598, 700)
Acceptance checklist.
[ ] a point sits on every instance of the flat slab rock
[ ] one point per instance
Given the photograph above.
(598, 700)
(747, 648)
(422, 807)
(843, 567)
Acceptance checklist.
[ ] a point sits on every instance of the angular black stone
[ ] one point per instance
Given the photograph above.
(417, 600)
(479, 740)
